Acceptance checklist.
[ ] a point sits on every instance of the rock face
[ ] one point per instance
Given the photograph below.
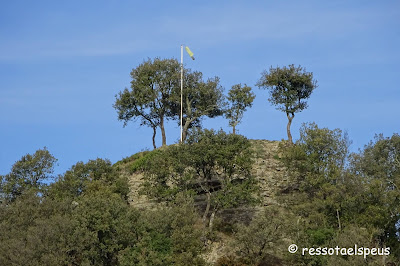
(135, 199)
(267, 168)
(270, 172)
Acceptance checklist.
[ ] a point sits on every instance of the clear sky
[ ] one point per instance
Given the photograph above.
(62, 62)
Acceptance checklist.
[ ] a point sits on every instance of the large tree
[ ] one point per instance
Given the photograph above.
(289, 89)
(29, 172)
(155, 96)
(150, 97)
(239, 97)
(200, 99)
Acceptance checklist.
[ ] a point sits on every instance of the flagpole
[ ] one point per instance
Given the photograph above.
(181, 92)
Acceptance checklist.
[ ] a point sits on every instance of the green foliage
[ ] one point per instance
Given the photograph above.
(378, 168)
(200, 99)
(155, 96)
(320, 236)
(327, 148)
(151, 96)
(340, 200)
(214, 164)
(140, 162)
(239, 97)
(263, 239)
(96, 226)
(89, 231)
(350, 236)
(229, 261)
(167, 236)
(289, 89)
(319, 182)
(106, 225)
(129, 160)
(81, 177)
(318, 158)
(33, 232)
(29, 172)
(83, 218)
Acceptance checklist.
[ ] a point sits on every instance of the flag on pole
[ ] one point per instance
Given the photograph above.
(189, 52)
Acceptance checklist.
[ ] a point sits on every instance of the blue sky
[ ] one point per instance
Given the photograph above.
(61, 64)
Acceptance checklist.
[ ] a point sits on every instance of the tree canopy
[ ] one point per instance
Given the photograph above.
(150, 97)
(343, 198)
(155, 94)
(289, 89)
(239, 98)
(200, 98)
(29, 172)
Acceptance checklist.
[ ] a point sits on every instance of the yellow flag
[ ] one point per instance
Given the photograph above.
(189, 52)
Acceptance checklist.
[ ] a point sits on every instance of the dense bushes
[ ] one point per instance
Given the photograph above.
(84, 219)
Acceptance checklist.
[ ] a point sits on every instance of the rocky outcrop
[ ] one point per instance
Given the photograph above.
(270, 172)
(267, 168)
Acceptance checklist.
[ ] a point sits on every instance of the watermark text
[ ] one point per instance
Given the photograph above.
(340, 251)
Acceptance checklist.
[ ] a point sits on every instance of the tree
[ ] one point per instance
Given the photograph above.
(200, 99)
(91, 230)
(166, 236)
(77, 180)
(258, 242)
(378, 167)
(320, 193)
(326, 150)
(289, 89)
(155, 97)
(33, 232)
(316, 164)
(150, 100)
(239, 97)
(129, 108)
(29, 172)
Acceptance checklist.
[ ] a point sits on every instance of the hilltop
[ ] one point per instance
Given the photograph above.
(270, 173)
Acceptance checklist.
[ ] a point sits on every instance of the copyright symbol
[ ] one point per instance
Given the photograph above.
(292, 248)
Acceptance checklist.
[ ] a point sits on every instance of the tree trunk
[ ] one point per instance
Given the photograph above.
(338, 218)
(164, 138)
(233, 124)
(207, 208)
(210, 224)
(154, 136)
(183, 135)
(290, 118)
(185, 129)
(188, 119)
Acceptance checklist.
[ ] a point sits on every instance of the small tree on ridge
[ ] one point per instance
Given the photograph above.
(289, 89)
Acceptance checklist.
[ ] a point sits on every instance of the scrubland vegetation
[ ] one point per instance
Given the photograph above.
(85, 217)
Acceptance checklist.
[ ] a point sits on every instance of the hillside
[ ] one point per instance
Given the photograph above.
(313, 194)
(267, 169)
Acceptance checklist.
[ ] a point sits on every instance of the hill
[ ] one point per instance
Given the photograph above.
(270, 173)
(201, 205)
